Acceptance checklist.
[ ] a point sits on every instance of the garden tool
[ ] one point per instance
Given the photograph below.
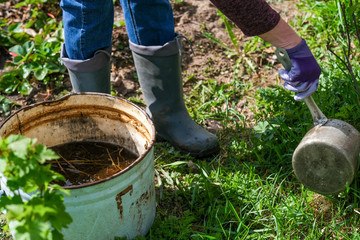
(326, 159)
(91, 75)
(159, 72)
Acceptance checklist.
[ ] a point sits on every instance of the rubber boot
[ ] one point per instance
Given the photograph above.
(90, 75)
(159, 72)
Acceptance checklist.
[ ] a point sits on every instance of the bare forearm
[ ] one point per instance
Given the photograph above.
(282, 36)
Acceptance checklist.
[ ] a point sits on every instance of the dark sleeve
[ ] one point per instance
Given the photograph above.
(253, 17)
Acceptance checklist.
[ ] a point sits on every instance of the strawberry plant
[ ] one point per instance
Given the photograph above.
(23, 163)
(5, 105)
(11, 34)
(36, 52)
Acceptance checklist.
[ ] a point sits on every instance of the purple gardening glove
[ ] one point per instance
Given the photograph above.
(303, 77)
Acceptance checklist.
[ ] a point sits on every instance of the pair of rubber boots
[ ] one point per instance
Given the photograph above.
(159, 73)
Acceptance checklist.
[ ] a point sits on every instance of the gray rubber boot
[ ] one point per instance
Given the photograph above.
(159, 72)
(90, 75)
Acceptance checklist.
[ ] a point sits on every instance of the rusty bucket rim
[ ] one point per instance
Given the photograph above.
(134, 163)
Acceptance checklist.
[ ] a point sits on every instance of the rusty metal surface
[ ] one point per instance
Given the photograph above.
(119, 199)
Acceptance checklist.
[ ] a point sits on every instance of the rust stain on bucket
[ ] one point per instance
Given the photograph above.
(119, 198)
(144, 200)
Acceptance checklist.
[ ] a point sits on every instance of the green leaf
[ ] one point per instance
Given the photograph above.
(56, 235)
(5, 100)
(20, 4)
(15, 27)
(26, 69)
(2, 164)
(353, 9)
(19, 145)
(28, 46)
(14, 211)
(35, 65)
(44, 215)
(58, 188)
(38, 39)
(229, 28)
(3, 22)
(215, 40)
(8, 200)
(31, 229)
(24, 88)
(23, 51)
(45, 154)
(118, 24)
(19, 50)
(5, 105)
(18, 59)
(30, 23)
(42, 211)
(19, 38)
(5, 108)
(7, 80)
(261, 127)
(61, 218)
(39, 24)
(11, 88)
(40, 74)
(52, 67)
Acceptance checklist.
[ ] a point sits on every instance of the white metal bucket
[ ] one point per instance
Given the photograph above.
(122, 205)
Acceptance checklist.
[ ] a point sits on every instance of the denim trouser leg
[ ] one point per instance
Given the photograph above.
(88, 24)
(149, 22)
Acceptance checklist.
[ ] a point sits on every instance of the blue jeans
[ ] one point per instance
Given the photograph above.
(88, 24)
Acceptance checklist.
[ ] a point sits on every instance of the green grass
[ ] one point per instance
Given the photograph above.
(249, 191)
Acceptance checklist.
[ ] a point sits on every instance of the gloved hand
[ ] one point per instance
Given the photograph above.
(303, 76)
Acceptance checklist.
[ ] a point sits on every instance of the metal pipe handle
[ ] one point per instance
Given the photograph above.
(317, 116)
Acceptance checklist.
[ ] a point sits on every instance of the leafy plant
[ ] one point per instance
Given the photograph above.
(5, 105)
(11, 34)
(36, 54)
(43, 215)
(38, 57)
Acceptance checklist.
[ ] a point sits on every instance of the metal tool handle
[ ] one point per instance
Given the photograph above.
(317, 115)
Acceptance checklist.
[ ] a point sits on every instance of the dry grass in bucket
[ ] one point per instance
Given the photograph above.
(83, 162)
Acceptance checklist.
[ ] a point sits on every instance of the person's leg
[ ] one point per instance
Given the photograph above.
(86, 51)
(157, 55)
(148, 22)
